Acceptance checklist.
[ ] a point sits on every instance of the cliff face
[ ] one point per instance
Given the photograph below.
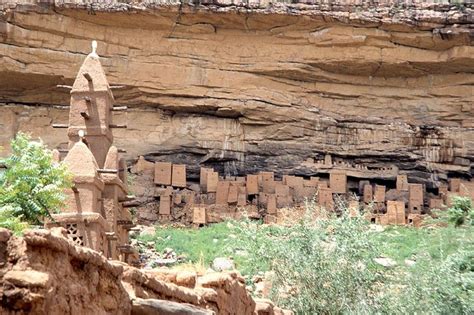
(261, 88)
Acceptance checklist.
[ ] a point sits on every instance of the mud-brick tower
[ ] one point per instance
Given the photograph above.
(83, 215)
(95, 214)
(114, 200)
(91, 108)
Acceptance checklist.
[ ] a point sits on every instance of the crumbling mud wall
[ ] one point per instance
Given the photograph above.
(254, 86)
(43, 272)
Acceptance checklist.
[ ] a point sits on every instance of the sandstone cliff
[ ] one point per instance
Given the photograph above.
(254, 86)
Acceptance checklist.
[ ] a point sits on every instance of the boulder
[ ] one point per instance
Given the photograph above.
(386, 262)
(27, 278)
(148, 231)
(222, 263)
(163, 307)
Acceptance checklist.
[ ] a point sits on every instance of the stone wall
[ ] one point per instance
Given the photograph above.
(43, 273)
(244, 90)
(46, 273)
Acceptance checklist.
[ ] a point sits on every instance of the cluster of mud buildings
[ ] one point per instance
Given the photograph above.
(97, 213)
(261, 195)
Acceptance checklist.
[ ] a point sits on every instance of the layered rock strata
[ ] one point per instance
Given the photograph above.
(256, 86)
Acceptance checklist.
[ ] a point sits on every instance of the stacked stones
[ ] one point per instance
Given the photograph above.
(262, 196)
(406, 203)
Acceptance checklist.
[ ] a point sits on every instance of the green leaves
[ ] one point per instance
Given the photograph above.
(461, 211)
(32, 186)
(326, 266)
(10, 221)
(322, 266)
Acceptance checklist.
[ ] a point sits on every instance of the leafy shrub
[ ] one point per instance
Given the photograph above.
(9, 221)
(320, 266)
(32, 185)
(326, 266)
(445, 287)
(461, 211)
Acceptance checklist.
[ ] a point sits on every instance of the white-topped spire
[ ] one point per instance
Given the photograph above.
(94, 49)
(81, 135)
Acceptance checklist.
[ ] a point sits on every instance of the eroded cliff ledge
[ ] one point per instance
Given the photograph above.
(256, 87)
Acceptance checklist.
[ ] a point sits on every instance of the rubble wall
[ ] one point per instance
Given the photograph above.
(45, 273)
(42, 273)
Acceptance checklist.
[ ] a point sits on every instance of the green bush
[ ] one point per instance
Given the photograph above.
(461, 211)
(326, 266)
(323, 266)
(434, 287)
(32, 186)
(9, 221)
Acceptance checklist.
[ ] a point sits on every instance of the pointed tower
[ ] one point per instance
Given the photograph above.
(96, 214)
(91, 107)
(88, 185)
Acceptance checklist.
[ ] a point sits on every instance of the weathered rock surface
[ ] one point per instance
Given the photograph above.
(253, 88)
(163, 307)
(43, 273)
(46, 273)
(222, 263)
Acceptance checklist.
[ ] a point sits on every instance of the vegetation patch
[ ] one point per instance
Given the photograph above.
(31, 185)
(336, 265)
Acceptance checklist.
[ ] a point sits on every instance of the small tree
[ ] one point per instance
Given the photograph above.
(32, 186)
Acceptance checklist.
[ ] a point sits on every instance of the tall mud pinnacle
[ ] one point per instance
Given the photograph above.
(95, 215)
(91, 107)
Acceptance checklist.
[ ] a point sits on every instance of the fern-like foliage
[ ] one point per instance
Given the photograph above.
(32, 185)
